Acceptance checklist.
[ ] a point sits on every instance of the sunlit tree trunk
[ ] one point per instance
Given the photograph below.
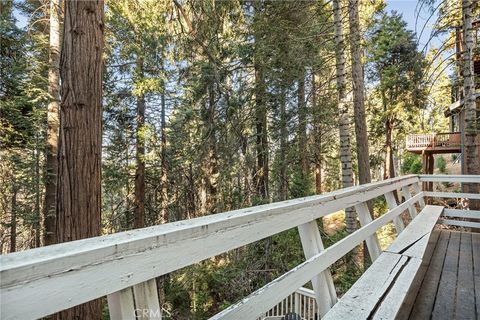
(358, 94)
(80, 141)
(472, 163)
(51, 162)
(344, 122)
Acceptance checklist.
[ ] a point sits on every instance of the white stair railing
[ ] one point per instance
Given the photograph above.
(302, 302)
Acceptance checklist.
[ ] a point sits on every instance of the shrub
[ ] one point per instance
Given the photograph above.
(412, 164)
(442, 164)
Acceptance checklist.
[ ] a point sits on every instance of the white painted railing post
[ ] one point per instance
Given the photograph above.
(392, 204)
(323, 283)
(121, 306)
(416, 188)
(372, 242)
(296, 302)
(146, 300)
(411, 208)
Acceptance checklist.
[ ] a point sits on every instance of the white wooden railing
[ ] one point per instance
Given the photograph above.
(123, 266)
(434, 140)
(302, 302)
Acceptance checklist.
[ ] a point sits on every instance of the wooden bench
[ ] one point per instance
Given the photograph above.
(387, 289)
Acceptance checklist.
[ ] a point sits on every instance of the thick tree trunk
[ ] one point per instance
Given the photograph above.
(344, 123)
(80, 143)
(358, 94)
(51, 162)
(139, 201)
(471, 125)
(364, 175)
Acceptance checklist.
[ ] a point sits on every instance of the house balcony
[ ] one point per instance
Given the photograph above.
(434, 143)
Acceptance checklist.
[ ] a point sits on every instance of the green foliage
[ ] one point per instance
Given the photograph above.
(204, 61)
(442, 164)
(396, 68)
(412, 163)
(300, 186)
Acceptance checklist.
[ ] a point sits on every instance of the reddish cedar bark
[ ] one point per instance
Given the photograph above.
(80, 141)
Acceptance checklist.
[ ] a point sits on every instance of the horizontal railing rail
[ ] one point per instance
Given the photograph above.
(454, 178)
(76, 272)
(455, 217)
(290, 281)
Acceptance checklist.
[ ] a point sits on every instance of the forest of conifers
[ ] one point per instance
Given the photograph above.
(124, 114)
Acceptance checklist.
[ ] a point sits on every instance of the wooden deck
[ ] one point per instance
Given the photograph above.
(451, 286)
(434, 143)
(123, 266)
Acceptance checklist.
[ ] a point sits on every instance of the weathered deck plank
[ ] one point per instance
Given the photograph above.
(393, 302)
(423, 306)
(476, 268)
(415, 232)
(464, 299)
(444, 303)
(357, 302)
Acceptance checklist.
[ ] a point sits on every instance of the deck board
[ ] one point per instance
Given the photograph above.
(423, 306)
(464, 299)
(444, 307)
(476, 269)
(451, 286)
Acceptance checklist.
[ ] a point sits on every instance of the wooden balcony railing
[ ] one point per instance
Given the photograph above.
(123, 266)
(434, 141)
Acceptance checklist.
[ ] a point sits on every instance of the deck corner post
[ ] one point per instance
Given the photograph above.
(323, 286)
(372, 241)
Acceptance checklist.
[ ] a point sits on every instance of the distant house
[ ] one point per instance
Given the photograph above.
(452, 141)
